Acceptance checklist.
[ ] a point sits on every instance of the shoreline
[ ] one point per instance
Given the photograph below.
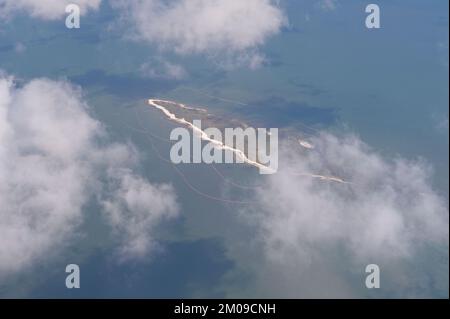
(221, 146)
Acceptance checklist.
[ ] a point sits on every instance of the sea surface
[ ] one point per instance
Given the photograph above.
(325, 70)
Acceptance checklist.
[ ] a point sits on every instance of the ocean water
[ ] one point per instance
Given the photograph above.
(324, 70)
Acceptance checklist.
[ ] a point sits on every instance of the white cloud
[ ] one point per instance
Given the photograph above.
(20, 48)
(134, 209)
(388, 214)
(213, 27)
(160, 68)
(53, 157)
(440, 123)
(45, 9)
(229, 32)
(314, 238)
(328, 5)
(251, 59)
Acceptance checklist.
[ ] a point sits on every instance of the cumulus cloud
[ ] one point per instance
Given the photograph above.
(128, 212)
(44, 9)
(53, 157)
(388, 214)
(231, 28)
(229, 32)
(20, 48)
(440, 123)
(160, 68)
(328, 5)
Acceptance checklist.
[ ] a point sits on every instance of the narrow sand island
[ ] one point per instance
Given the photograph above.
(159, 104)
